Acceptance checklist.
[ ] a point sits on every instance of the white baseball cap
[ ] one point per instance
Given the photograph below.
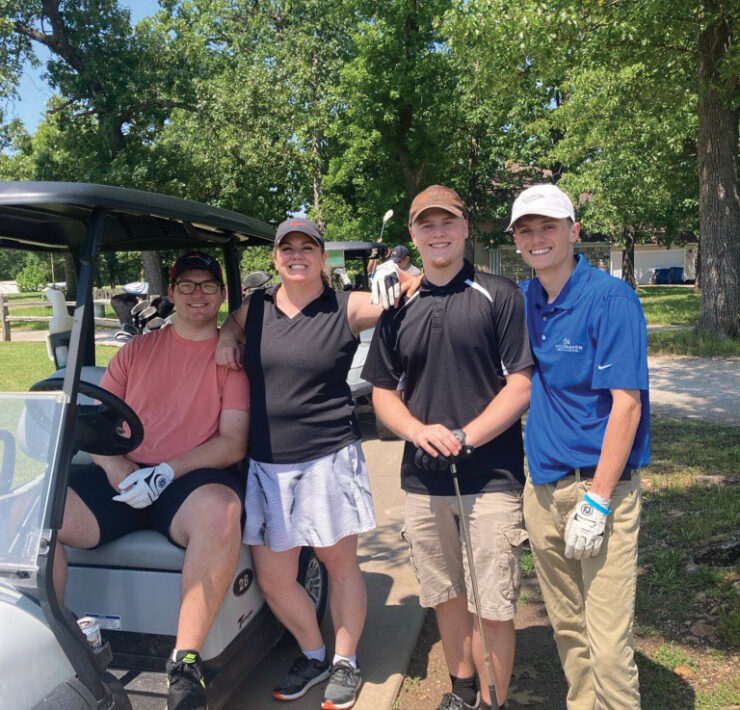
(542, 200)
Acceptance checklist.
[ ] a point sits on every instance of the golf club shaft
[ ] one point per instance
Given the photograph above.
(474, 584)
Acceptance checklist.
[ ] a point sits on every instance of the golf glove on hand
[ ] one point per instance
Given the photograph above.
(142, 487)
(386, 288)
(441, 463)
(584, 531)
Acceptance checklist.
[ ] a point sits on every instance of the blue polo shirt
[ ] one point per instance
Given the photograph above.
(591, 339)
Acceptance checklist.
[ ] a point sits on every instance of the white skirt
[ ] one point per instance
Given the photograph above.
(314, 503)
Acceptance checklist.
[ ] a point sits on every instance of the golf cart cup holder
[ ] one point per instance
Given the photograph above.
(100, 427)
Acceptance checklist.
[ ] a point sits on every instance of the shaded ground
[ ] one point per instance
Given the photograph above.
(687, 676)
(696, 388)
(537, 682)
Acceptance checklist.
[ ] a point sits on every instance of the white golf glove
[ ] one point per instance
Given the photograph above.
(142, 487)
(584, 531)
(386, 287)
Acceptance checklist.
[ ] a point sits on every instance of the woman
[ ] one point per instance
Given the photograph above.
(308, 482)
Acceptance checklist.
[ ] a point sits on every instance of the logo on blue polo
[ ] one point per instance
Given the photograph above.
(567, 347)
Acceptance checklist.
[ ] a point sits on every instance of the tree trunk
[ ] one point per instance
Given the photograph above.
(719, 198)
(70, 277)
(628, 257)
(153, 273)
(697, 282)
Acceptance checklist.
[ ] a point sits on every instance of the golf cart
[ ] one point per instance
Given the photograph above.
(131, 587)
(338, 254)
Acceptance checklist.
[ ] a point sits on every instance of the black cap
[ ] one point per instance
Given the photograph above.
(399, 253)
(302, 225)
(196, 260)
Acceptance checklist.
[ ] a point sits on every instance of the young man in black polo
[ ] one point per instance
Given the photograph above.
(459, 350)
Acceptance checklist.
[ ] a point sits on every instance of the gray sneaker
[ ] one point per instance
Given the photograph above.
(302, 676)
(344, 684)
(451, 701)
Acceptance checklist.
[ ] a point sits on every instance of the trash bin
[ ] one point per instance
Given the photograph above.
(662, 276)
(99, 310)
(677, 274)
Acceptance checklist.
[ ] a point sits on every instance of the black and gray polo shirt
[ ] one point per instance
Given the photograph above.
(449, 348)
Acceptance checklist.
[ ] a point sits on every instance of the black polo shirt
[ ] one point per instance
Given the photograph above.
(301, 404)
(452, 346)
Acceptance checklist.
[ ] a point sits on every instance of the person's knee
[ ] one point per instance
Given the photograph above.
(226, 519)
(273, 581)
(611, 658)
(217, 518)
(340, 566)
(495, 626)
(79, 526)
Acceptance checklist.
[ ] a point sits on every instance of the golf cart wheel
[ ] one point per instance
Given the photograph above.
(383, 432)
(312, 576)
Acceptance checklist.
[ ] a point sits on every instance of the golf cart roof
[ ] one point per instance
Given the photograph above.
(54, 216)
(358, 250)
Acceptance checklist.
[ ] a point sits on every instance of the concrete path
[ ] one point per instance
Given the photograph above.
(696, 388)
(394, 616)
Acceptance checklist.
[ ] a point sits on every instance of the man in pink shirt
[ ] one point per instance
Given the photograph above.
(182, 479)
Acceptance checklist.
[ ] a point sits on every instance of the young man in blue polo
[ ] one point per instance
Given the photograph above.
(587, 434)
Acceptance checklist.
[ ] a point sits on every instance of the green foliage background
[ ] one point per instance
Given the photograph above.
(346, 108)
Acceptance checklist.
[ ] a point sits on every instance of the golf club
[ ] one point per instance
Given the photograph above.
(136, 312)
(154, 323)
(256, 279)
(474, 585)
(386, 217)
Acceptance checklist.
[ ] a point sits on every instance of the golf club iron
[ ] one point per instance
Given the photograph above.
(474, 585)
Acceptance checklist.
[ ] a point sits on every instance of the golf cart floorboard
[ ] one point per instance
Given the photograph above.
(139, 662)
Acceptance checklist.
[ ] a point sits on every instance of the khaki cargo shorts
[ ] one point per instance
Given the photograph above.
(432, 531)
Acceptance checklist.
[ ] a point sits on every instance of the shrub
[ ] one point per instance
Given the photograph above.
(31, 278)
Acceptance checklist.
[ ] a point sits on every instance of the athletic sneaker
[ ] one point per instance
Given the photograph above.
(451, 701)
(303, 674)
(344, 684)
(186, 687)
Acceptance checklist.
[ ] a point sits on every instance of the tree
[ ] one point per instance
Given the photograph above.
(690, 61)
(115, 86)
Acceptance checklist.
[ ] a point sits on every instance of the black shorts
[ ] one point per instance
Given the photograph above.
(117, 519)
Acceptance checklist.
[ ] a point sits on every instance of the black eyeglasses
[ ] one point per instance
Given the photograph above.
(188, 287)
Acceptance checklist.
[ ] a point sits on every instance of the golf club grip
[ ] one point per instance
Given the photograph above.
(473, 582)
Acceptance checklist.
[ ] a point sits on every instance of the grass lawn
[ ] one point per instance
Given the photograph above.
(688, 614)
(22, 364)
(679, 306)
(670, 305)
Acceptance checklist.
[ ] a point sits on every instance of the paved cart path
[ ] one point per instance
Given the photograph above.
(696, 388)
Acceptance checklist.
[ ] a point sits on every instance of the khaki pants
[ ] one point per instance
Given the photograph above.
(590, 602)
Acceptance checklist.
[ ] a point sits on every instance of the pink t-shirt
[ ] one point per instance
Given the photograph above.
(176, 388)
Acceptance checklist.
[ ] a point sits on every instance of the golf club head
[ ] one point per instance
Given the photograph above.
(140, 306)
(122, 336)
(148, 313)
(154, 323)
(256, 279)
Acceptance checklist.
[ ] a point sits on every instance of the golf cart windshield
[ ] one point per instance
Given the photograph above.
(30, 427)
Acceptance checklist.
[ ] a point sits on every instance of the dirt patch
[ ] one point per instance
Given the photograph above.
(676, 676)
(538, 680)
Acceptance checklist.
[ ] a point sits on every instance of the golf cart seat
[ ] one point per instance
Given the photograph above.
(143, 549)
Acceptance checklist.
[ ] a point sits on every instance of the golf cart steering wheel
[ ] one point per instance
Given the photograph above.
(99, 427)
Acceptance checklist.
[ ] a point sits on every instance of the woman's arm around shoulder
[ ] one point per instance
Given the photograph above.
(231, 338)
